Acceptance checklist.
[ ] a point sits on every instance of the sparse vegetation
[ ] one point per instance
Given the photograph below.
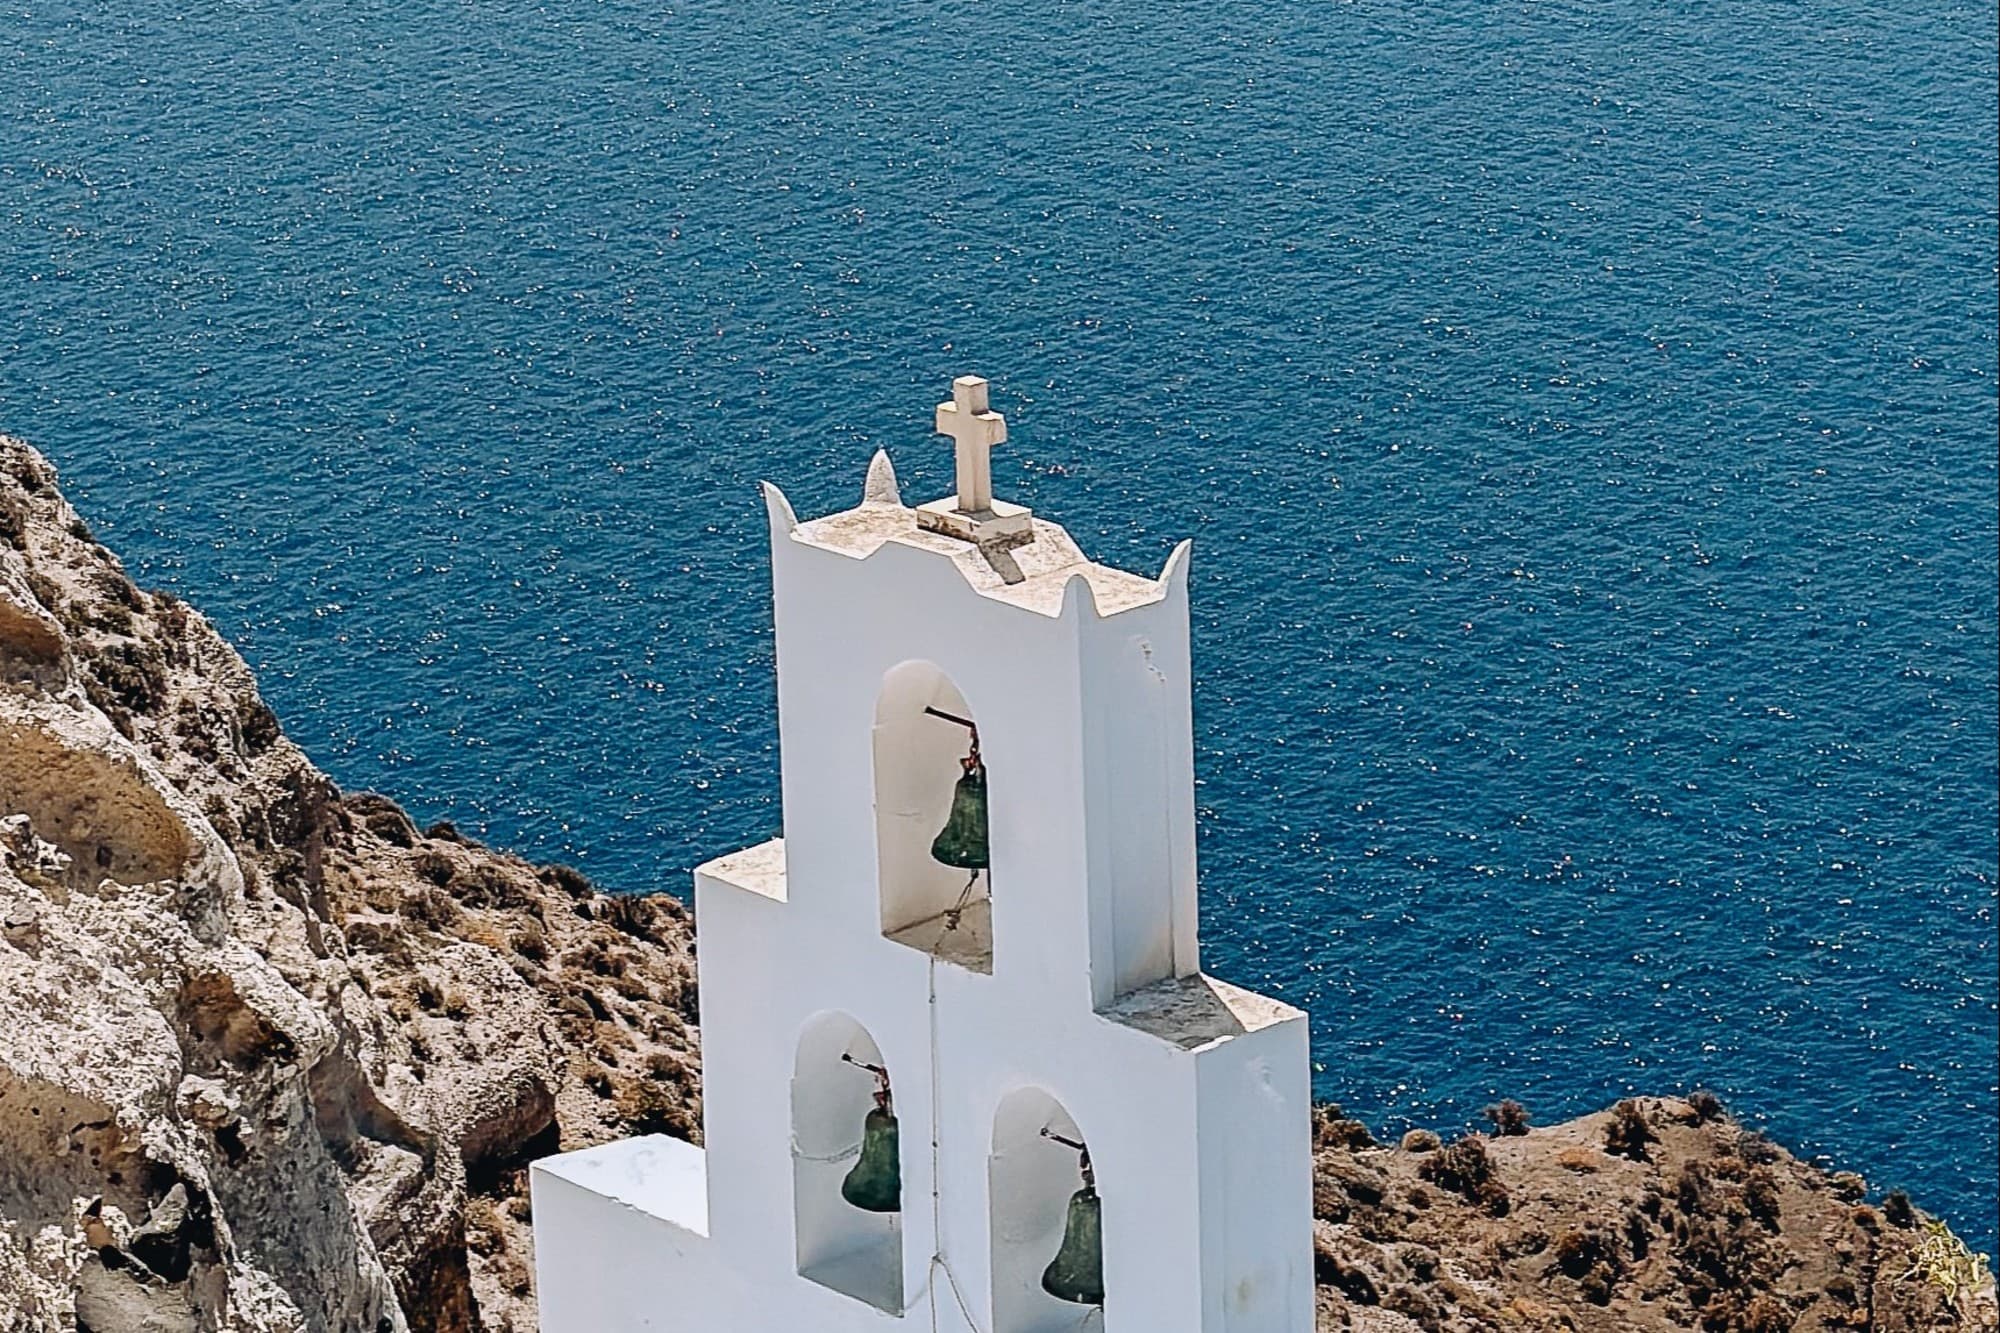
(1464, 1168)
(258, 725)
(1762, 1196)
(48, 594)
(1589, 1256)
(570, 880)
(13, 523)
(1332, 1129)
(1753, 1147)
(431, 906)
(1628, 1134)
(532, 942)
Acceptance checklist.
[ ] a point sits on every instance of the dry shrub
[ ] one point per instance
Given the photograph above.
(432, 907)
(1757, 1149)
(1464, 1168)
(1509, 1117)
(1332, 1129)
(131, 673)
(532, 942)
(1762, 1196)
(649, 1107)
(631, 988)
(570, 880)
(1628, 1133)
(1579, 1249)
(258, 724)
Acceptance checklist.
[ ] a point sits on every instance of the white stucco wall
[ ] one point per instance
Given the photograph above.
(1193, 1096)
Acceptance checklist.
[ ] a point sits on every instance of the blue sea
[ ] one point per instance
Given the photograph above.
(1585, 413)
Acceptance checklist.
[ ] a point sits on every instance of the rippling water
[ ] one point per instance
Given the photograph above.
(1585, 413)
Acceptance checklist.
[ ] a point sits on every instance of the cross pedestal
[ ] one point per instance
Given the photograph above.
(973, 514)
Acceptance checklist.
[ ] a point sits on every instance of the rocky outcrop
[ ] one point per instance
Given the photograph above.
(1658, 1214)
(275, 1058)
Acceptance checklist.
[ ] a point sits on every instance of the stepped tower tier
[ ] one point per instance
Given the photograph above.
(961, 1068)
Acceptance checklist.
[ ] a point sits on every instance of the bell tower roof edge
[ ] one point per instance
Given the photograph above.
(1003, 549)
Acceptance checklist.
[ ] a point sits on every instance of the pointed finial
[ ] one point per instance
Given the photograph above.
(1174, 577)
(1078, 598)
(783, 520)
(880, 488)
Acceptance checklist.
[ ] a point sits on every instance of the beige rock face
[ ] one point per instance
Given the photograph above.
(273, 1058)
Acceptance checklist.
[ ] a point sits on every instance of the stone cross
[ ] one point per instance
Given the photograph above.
(976, 428)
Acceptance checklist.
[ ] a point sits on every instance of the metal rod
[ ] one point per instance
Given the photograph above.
(1048, 1133)
(965, 722)
(877, 1070)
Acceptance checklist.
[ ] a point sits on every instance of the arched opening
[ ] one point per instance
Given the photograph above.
(846, 1171)
(930, 818)
(1041, 1230)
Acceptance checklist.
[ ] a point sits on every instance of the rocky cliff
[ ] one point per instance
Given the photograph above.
(274, 1058)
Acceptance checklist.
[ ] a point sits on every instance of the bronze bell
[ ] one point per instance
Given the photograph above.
(1077, 1272)
(962, 841)
(875, 1184)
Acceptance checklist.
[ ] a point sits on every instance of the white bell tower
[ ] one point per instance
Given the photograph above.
(1048, 1002)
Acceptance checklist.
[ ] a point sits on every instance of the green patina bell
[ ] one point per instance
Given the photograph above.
(962, 843)
(1077, 1272)
(875, 1184)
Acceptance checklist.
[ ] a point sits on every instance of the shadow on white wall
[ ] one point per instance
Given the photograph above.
(1031, 1177)
(920, 757)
